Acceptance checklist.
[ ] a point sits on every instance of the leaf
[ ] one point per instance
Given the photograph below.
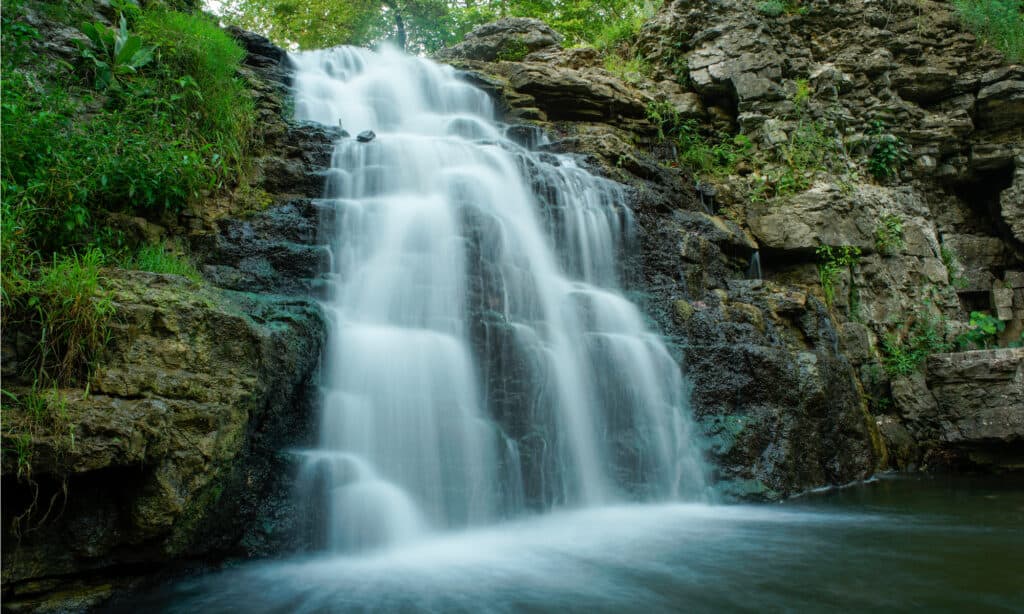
(142, 57)
(127, 50)
(90, 30)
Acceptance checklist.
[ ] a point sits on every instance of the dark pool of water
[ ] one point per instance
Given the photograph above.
(895, 544)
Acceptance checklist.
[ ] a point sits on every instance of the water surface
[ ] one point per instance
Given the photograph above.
(896, 544)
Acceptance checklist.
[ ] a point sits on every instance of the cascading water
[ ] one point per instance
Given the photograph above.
(481, 361)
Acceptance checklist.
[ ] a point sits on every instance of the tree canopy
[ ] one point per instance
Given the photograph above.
(419, 25)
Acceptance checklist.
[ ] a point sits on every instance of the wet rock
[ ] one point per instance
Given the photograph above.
(173, 440)
(366, 136)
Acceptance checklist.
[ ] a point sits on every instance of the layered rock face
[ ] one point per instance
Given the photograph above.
(788, 381)
(175, 452)
(953, 107)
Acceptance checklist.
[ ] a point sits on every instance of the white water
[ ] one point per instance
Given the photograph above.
(481, 359)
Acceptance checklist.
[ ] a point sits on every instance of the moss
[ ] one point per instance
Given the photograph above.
(682, 311)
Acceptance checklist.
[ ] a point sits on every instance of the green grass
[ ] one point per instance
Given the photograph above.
(73, 312)
(172, 132)
(156, 258)
(632, 70)
(999, 23)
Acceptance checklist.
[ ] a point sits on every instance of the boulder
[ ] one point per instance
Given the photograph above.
(168, 451)
(509, 38)
(979, 398)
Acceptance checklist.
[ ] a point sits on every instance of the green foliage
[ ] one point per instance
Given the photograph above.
(150, 143)
(513, 51)
(776, 8)
(115, 54)
(810, 148)
(984, 331)
(952, 264)
(771, 8)
(664, 116)
(631, 70)
(889, 234)
(156, 258)
(427, 25)
(73, 313)
(903, 353)
(886, 154)
(716, 154)
(17, 35)
(615, 33)
(999, 23)
(831, 261)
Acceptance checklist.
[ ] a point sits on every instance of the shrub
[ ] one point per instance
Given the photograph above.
(953, 267)
(513, 51)
(999, 23)
(983, 332)
(616, 32)
(631, 70)
(717, 154)
(772, 8)
(886, 153)
(776, 8)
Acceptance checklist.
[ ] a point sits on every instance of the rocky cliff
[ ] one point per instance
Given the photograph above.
(174, 453)
(797, 270)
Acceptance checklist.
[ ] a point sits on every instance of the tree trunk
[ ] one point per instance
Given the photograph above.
(399, 22)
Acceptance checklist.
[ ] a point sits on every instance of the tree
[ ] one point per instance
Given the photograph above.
(414, 25)
(422, 26)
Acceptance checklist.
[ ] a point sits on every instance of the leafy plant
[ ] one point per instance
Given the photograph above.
(999, 23)
(902, 354)
(889, 234)
(114, 52)
(983, 332)
(886, 154)
(832, 260)
(771, 8)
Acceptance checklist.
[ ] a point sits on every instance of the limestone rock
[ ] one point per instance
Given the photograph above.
(979, 396)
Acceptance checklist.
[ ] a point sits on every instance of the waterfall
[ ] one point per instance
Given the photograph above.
(481, 359)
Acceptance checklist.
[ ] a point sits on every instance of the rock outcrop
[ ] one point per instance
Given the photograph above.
(174, 454)
(859, 73)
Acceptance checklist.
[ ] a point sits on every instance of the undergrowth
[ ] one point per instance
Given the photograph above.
(148, 121)
(904, 351)
(156, 258)
(999, 23)
(703, 151)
